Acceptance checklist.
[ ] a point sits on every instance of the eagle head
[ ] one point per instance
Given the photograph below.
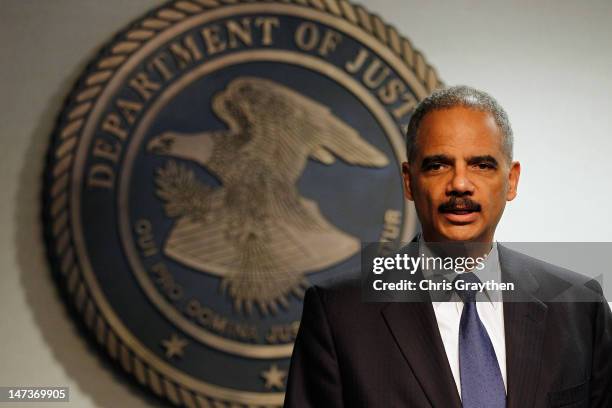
(196, 147)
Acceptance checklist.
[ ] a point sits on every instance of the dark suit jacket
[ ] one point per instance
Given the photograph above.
(354, 354)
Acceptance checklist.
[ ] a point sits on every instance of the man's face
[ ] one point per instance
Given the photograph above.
(459, 178)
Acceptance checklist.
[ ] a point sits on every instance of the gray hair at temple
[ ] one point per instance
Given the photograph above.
(464, 96)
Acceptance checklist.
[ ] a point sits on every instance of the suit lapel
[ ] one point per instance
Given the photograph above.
(413, 325)
(525, 325)
(414, 328)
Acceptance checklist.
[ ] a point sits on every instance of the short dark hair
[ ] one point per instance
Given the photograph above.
(464, 96)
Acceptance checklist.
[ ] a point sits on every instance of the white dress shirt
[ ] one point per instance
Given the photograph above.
(490, 310)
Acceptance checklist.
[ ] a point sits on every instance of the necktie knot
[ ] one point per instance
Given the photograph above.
(465, 285)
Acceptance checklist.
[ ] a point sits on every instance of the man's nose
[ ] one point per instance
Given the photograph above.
(460, 182)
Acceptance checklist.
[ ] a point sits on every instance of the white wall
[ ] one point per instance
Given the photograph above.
(548, 62)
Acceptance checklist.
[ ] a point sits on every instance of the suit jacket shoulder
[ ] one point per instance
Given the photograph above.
(548, 282)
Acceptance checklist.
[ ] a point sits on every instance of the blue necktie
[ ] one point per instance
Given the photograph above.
(482, 385)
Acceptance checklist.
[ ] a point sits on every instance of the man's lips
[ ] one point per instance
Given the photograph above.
(460, 216)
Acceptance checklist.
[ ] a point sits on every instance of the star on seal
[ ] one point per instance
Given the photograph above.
(274, 377)
(174, 346)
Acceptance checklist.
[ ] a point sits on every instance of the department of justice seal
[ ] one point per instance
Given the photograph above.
(216, 159)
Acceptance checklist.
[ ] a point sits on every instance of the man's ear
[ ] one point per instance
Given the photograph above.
(406, 179)
(513, 180)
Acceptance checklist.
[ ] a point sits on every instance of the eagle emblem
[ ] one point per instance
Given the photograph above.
(256, 232)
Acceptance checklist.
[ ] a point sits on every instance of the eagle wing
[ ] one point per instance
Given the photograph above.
(289, 127)
(335, 136)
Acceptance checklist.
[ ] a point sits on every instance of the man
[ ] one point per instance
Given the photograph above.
(533, 353)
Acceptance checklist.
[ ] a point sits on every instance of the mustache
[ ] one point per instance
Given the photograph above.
(459, 204)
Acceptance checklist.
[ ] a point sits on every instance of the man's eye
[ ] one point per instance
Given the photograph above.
(433, 166)
(485, 166)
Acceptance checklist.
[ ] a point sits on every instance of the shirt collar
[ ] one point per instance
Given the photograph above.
(490, 272)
